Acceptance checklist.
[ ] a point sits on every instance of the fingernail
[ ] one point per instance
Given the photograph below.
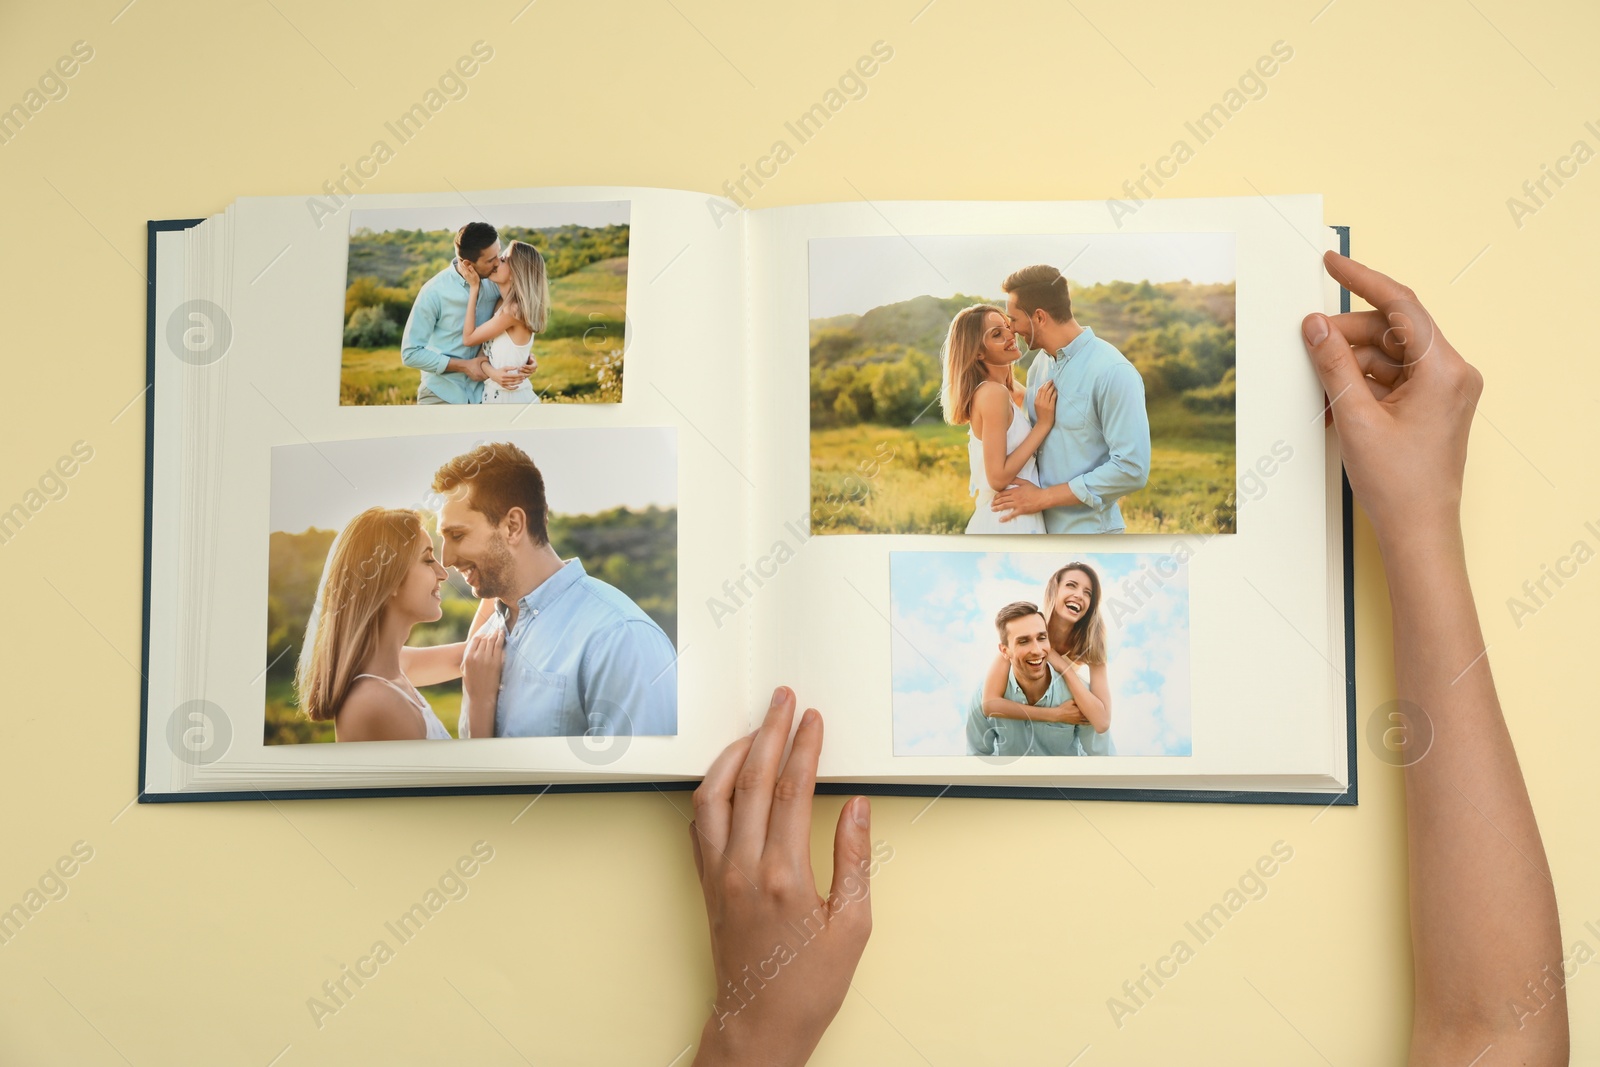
(862, 813)
(809, 717)
(777, 694)
(1315, 329)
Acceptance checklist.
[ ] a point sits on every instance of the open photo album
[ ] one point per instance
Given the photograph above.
(547, 489)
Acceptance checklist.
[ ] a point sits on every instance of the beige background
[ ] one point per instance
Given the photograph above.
(197, 932)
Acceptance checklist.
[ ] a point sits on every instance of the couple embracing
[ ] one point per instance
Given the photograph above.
(1056, 455)
(551, 652)
(1048, 692)
(470, 331)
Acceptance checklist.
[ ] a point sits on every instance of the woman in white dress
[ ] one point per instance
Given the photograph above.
(508, 334)
(981, 391)
(355, 669)
(1077, 652)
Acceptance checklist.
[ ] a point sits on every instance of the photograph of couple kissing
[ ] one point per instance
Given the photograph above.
(504, 304)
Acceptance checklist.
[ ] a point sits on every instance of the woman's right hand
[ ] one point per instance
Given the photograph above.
(752, 851)
(469, 274)
(1402, 400)
(480, 665)
(1044, 404)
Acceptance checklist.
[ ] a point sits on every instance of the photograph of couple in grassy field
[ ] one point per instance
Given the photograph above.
(498, 304)
(450, 587)
(1023, 384)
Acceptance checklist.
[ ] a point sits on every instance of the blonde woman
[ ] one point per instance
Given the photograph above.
(1077, 652)
(981, 391)
(355, 670)
(508, 334)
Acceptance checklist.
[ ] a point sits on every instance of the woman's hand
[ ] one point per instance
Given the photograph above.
(783, 956)
(469, 274)
(1483, 905)
(480, 668)
(1044, 404)
(1402, 399)
(508, 377)
(1070, 714)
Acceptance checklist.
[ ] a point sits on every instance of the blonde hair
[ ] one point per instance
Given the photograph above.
(530, 288)
(963, 366)
(1086, 641)
(366, 564)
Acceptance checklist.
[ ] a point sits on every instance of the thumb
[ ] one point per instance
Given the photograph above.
(850, 897)
(1334, 362)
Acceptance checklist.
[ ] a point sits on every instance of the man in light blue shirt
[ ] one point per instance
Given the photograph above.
(1099, 449)
(580, 656)
(452, 373)
(1024, 639)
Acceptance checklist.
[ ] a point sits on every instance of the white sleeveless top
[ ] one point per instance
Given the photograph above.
(505, 353)
(984, 520)
(435, 730)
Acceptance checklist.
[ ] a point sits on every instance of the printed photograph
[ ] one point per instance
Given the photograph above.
(451, 587)
(1023, 384)
(498, 304)
(1004, 655)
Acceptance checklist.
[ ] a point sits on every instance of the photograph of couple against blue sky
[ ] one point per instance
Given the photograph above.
(943, 607)
(881, 309)
(394, 252)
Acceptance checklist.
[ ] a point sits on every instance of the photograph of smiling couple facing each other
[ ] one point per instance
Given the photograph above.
(1048, 692)
(551, 651)
(471, 328)
(1054, 455)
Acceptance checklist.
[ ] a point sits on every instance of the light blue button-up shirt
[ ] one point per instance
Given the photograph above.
(433, 333)
(1022, 737)
(1100, 445)
(584, 658)
(1093, 744)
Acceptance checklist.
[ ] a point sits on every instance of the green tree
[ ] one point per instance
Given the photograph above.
(845, 412)
(370, 327)
(897, 392)
(362, 292)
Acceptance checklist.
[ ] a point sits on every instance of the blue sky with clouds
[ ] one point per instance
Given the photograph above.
(943, 608)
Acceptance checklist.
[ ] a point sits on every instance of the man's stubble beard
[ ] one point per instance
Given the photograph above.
(495, 570)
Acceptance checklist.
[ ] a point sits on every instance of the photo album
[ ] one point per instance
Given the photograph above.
(524, 490)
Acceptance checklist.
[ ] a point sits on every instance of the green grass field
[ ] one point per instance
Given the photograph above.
(922, 488)
(589, 301)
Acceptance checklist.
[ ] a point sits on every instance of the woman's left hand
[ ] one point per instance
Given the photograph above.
(1044, 404)
(782, 955)
(480, 666)
(469, 274)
